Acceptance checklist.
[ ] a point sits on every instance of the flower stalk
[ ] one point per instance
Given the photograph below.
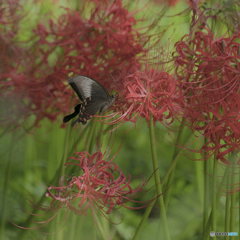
(157, 180)
(218, 195)
(100, 228)
(171, 176)
(149, 208)
(227, 212)
(66, 148)
(5, 189)
(214, 196)
(233, 199)
(239, 211)
(206, 191)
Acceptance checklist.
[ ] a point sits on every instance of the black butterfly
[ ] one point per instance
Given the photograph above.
(94, 97)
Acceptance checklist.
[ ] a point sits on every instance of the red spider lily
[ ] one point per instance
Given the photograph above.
(146, 92)
(102, 183)
(103, 43)
(101, 187)
(209, 70)
(12, 59)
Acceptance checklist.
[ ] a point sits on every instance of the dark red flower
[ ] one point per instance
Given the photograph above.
(94, 46)
(208, 69)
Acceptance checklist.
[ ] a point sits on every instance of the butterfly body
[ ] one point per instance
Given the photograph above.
(94, 98)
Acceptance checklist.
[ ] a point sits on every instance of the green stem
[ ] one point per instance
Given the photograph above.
(149, 208)
(208, 225)
(214, 196)
(199, 178)
(94, 137)
(62, 170)
(23, 232)
(170, 179)
(100, 228)
(104, 220)
(66, 149)
(227, 212)
(233, 201)
(199, 166)
(79, 139)
(157, 180)
(5, 187)
(144, 219)
(206, 193)
(105, 224)
(239, 212)
(90, 134)
(54, 181)
(100, 138)
(80, 143)
(175, 158)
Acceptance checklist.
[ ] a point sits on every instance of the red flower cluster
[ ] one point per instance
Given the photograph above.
(11, 61)
(96, 46)
(146, 92)
(102, 187)
(209, 71)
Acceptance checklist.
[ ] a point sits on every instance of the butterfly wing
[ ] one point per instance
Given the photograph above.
(93, 95)
(90, 107)
(86, 87)
(76, 112)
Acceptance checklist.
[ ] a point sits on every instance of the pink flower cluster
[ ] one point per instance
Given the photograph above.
(102, 186)
(209, 71)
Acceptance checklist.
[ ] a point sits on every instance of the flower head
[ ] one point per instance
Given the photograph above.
(208, 69)
(101, 185)
(149, 91)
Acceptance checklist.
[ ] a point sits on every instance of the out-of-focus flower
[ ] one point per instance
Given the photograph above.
(95, 46)
(12, 58)
(102, 186)
(10, 52)
(208, 69)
